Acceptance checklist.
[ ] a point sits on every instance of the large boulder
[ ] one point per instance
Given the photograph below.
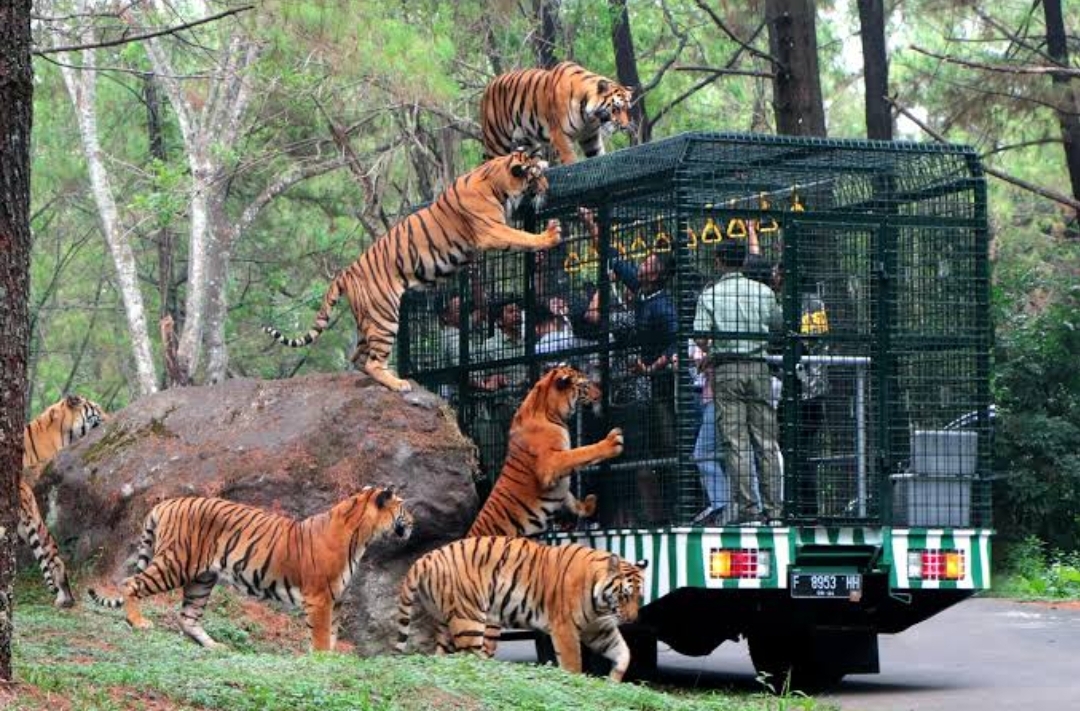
(293, 446)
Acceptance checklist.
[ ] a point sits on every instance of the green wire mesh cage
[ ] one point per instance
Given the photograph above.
(787, 329)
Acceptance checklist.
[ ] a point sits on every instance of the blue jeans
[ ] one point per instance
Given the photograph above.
(707, 457)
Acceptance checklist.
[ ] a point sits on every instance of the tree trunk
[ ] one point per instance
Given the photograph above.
(165, 241)
(797, 102)
(546, 40)
(1065, 88)
(875, 69)
(626, 67)
(82, 87)
(16, 110)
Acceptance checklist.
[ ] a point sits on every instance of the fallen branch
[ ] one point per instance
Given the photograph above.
(148, 35)
(1067, 72)
(1047, 193)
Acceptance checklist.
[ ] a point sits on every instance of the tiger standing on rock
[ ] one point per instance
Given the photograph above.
(58, 426)
(559, 106)
(575, 593)
(429, 245)
(194, 542)
(535, 480)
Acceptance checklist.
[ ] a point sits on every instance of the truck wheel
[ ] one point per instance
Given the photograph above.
(787, 661)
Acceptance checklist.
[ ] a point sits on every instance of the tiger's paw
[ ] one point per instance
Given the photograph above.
(587, 506)
(553, 233)
(141, 624)
(615, 441)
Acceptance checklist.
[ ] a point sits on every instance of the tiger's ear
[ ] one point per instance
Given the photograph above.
(518, 170)
(384, 496)
(642, 564)
(564, 381)
(613, 564)
(73, 401)
(603, 85)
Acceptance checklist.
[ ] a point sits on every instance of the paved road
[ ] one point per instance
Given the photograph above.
(976, 656)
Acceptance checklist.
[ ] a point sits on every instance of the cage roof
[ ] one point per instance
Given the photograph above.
(733, 165)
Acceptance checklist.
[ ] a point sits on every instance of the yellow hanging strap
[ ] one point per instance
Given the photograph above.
(662, 242)
(710, 233)
(736, 228)
(638, 248)
(796, 206)
(691, 238)
(572, 263)
(770, 224)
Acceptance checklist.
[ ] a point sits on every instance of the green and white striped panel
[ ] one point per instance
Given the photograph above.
(679, 557)
(975, 544)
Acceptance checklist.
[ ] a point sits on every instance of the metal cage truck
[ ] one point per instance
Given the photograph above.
(794, 335)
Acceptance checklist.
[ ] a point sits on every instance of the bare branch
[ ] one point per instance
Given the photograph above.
(684, 38)
(734, 38)
(1022, 144)
(1018, 182)
(1067, 72)
(148, 35)
(719, 71)
(1012, 36)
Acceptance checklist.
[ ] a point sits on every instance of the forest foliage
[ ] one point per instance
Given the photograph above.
(222, 147)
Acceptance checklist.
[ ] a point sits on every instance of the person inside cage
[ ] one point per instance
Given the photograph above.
(745, 311)
(707, 454)
(500, 389)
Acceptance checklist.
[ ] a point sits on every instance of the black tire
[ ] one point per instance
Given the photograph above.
(787, 663)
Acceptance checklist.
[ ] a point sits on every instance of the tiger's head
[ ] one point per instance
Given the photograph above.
(83, 414)
(69, 419)
(559, 392)
(618, 592)
(609, 106)
(381, 511)
(518, 175)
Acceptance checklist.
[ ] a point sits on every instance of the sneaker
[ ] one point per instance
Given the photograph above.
(704, 515)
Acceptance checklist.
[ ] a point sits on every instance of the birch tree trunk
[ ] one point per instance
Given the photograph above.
(16, 109)
(217, 122)
(82, 88)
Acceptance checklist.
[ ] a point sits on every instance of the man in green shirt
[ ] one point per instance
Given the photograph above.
(741, 312)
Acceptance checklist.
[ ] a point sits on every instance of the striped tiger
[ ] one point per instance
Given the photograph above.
(58, 426)
(535, 479)
(194, 542)
(556, 106)
(428, 245)
(575, 593)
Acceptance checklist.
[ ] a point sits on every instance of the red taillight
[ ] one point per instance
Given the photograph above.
(936, 564)
(746, 563)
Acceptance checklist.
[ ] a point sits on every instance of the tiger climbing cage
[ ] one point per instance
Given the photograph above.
(866, 399)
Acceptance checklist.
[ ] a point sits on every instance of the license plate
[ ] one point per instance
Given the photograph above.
(845, 586)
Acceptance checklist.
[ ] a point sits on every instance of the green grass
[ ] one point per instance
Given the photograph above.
(87, 659)
(1031, 572)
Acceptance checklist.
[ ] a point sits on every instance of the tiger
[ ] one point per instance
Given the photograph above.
(431, 244)
(194, 542)
(553, 106)
(575, 593)
(535, 479)
(58, 426)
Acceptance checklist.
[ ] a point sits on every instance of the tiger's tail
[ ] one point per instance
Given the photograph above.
(406, 600)
(143, 556)
(322, 318)
(110, 602)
